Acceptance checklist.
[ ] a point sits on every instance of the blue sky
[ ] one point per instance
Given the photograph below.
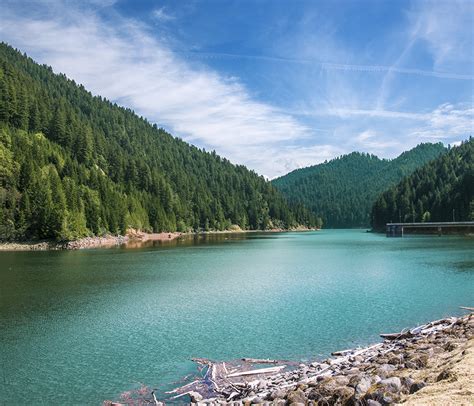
(272, 84)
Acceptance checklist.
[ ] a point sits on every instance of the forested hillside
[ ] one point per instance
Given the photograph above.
(72, 165)
(439, 191)
(343, 190)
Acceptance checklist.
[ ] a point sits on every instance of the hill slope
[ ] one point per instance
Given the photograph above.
(73, 165)
(432, 192)
(343, 190)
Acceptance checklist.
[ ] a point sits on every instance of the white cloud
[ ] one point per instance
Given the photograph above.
(447, 122)
(124, 63)
(161, 15)
(121, 60)
(365, 135)
(447, 27)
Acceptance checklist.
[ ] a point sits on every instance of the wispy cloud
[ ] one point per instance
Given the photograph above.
(447, 122)
(332, 66)
(161, 15)
(330, 90)
(124, 63)
(447, 27)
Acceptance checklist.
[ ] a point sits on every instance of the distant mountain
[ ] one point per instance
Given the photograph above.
(441, 190)
(343, 190)
(72, 165)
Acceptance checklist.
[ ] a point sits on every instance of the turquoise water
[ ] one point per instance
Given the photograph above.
(83, 326)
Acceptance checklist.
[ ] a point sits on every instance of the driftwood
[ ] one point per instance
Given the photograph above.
(240, 380)
(423, 329)
(261, 361)
(257, 371)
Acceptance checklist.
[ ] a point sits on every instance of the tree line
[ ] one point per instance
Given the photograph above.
(343, 190)
(73, 165)
(442, 190)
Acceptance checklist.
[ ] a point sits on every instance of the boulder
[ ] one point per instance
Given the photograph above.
(392, 384)
(277, 394)
(297, 396)
(363, 386)
(343, 395)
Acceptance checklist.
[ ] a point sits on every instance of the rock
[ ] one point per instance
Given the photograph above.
(407, 382)
(363, 386)
(195, 397)
(395, 360)
(328, 386)
(297, 396)
(302, 386)
(342, 380)
(450, 346)
(314, 394)
(416, 386)
(375, 379)
(342, 395)
(277, 394)
(446, 374)
(420, 360)
(411, 365)
(392, 384)
(371, 402)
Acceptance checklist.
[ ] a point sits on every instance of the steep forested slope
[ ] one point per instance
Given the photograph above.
(73, 165)
(432, 192)
(343, 190)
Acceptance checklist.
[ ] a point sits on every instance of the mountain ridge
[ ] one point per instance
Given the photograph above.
(76, 165)
(341, 191)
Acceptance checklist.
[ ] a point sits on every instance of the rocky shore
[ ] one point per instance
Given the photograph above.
(132, 239)
(428, 365)
(83, 243)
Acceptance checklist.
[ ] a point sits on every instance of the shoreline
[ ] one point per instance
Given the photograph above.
(426, 365)
(132, 237)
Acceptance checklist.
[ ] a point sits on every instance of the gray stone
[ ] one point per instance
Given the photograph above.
(392, 384)
(371, 402)
(375, 379)
(277, 394)
(195, 397)
(407, 382)
(342, 380)
(363, 386)
(386, 368)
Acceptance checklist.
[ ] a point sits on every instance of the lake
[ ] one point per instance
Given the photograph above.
(80, 327)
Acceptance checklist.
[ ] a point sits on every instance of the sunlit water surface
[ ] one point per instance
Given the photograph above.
(79, 327)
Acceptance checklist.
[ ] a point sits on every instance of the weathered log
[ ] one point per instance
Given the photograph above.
(261, 361)
(257, 371)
